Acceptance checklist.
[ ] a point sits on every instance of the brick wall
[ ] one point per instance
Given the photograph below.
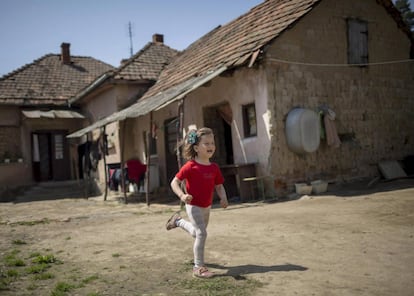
(374, 104)
(9, 141)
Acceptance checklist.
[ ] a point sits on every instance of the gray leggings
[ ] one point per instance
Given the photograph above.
(197, 228)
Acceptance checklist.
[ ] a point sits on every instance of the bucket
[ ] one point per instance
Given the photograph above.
(303, 188)
(319, 186)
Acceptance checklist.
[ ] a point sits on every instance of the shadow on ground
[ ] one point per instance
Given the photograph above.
(237, 272)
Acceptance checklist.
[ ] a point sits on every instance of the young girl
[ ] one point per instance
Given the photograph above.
(201, 178)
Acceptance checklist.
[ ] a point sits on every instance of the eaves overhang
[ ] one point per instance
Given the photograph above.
(153, 103)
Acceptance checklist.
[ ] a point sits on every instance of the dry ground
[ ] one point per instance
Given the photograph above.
(350, 241)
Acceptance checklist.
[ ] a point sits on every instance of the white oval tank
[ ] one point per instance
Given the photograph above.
(302, 130)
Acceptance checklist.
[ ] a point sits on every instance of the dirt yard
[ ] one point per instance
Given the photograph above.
(353, 240)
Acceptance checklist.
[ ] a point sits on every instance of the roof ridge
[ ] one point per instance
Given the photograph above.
(133, 58)
(24, 67)
(38, 60)
(49, 81)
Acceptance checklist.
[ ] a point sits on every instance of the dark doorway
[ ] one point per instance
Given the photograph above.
(220, 122)
(50, 154)
(171, 133)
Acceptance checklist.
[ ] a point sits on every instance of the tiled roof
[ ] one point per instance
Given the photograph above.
(47, 81)
(146, 64)
(233, 44)
(224, 47)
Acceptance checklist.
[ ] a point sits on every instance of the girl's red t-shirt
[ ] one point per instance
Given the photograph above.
(200, 182)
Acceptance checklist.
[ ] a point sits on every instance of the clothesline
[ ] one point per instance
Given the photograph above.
(341, 65)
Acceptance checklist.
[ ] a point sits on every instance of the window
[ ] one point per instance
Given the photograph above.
(249, 120)
(58, 146)
(152, 142)
(357, 41)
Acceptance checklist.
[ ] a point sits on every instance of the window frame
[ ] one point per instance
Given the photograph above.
(357, 37)
(247, 120)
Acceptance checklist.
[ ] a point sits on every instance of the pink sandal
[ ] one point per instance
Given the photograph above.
(202, 272)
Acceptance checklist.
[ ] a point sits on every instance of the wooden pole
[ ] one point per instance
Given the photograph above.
(144, 139)
(86, 176)
(105, 149)
(122, 146)
(148, 156)
(180, 131)
(179, 140)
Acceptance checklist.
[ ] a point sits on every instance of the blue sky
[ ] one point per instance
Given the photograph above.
(99, 28)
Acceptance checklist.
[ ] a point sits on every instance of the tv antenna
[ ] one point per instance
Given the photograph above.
(131, 49)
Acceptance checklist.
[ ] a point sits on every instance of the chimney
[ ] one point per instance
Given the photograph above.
(158, 38)
(65, 55)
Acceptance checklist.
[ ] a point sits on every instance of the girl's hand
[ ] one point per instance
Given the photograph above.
(224, 203)
(186, 198)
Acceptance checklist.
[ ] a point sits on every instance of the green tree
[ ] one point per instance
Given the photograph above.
(407, 14)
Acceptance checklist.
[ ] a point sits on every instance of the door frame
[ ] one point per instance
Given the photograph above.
(50, 155)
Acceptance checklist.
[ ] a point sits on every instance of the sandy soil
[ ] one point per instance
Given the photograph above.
(353, 240)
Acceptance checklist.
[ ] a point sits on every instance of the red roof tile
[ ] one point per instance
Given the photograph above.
(146, 64)
(47, 81)
(144, 67)
(233, 44)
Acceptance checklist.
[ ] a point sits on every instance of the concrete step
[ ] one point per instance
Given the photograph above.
(54, 190)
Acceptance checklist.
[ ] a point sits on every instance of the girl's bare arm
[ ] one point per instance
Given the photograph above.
(221, 192)
(176, 187)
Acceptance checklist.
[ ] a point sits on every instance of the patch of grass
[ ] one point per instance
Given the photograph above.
(19, 242)
(44, 259)
(35, 254)
(43, 276)
(38, 268)
(116, 255)
(12, 260)
(32, 223)
(32, 287)
(35, 263)
(89, 279)
(6, 277)
(4, 284)
(14, 252)
(220, 286)
(15, 262)
(62, 288)
(12, 273)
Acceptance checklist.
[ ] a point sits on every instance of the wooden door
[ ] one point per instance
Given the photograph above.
(171, 130)
(60, 156)
(50, 156)
(45, 170)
